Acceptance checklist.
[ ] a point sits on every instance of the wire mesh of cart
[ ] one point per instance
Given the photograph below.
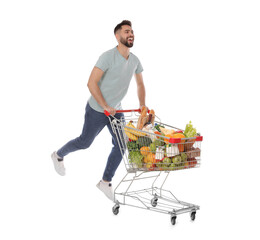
(149, 155)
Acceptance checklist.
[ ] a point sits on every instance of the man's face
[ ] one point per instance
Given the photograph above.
(126, 36)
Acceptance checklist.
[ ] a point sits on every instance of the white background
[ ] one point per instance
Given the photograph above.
(201, 61)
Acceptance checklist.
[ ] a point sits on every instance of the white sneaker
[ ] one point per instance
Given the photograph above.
(58, 165)
(107, 189)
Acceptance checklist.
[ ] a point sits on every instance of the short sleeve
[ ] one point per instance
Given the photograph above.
(103, 62)
(139, 68)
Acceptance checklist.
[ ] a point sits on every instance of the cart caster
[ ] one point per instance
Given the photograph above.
(154, 202)
(192, 216)
(173, 220)
(115, 209)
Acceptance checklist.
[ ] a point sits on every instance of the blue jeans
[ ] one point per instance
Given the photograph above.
(94, 123)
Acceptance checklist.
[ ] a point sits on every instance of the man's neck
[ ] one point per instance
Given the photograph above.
(123, 50)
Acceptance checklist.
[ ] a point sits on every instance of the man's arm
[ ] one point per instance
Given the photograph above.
(94, 89)
(140, 89)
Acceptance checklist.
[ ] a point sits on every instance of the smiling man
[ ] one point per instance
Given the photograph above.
(108, 84)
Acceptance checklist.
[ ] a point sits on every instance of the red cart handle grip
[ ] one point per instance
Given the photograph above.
(122, 111)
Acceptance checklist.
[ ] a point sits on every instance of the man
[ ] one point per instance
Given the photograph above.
(108, 84)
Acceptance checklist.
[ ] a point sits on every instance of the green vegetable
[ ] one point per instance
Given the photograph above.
(167, 161)
(172, 166)
(184, 157)
(136, 158)
(132, 146)
(177, 159)
(159, 164)
(154, 144)
(158, 142)
(178, 162)
(153, 147)
(157, 127)
(144, 141)
(190, 131)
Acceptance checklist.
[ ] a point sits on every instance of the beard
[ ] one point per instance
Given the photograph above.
(126, 43)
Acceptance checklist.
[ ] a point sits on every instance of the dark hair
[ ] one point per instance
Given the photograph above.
(119, 26)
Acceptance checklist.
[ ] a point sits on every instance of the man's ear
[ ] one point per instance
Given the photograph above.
(117, 35)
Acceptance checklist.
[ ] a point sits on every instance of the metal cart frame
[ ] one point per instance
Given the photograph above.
(154, 198)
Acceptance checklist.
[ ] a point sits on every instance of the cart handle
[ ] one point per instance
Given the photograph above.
(122, 111)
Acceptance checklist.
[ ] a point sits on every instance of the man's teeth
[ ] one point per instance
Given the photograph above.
(131, 39)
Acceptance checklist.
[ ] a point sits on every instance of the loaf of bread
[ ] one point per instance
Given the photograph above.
(143, 118)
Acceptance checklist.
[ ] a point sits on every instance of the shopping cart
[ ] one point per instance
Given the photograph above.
(149, 157)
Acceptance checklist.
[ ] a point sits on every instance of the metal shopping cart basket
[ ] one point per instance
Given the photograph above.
(149, 156)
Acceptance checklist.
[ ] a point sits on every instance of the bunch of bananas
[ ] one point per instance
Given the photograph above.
(131, 132)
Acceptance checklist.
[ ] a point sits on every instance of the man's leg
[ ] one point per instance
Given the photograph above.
(113, 162)
(94, 123)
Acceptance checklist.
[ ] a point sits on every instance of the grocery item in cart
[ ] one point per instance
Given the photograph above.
(160, 147)
(144, 141)
(131, 132)
(166, 131)
(136, 158)
(145, 118)
(189, 132)
(189, 144)
(172, 150)
(181, 144)
(159, 153)
(193, 152)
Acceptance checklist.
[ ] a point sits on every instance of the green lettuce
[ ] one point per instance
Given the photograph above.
(136, 157)
(190, 131)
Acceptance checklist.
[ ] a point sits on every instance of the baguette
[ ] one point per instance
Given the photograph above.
(142, 118)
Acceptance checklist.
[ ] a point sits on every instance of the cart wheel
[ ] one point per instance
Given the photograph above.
(115, 209)
(192, 216)
(173, 220)
(154, 202)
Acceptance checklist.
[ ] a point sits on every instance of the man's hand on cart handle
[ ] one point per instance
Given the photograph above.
(109, 111)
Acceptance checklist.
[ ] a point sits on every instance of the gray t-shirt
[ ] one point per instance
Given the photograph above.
(115, 81)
